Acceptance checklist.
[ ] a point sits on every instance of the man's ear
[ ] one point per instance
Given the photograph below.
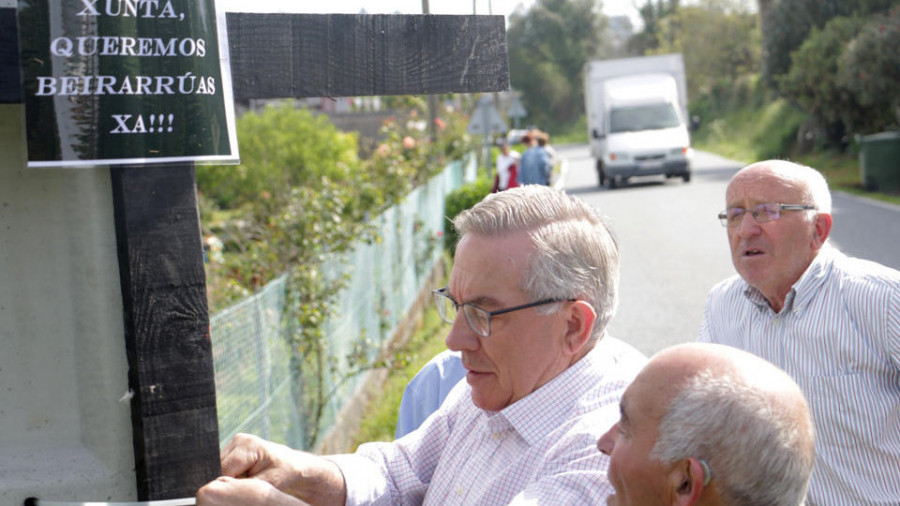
(822, 229)
(687, 482)
(580, 323)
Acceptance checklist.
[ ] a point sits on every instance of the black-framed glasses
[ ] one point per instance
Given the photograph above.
(762, 213)
(479, 320)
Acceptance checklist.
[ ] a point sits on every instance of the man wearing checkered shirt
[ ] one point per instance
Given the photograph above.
(533, 286)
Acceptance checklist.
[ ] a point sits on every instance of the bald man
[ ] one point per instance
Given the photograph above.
(707, 424)
(830, 321)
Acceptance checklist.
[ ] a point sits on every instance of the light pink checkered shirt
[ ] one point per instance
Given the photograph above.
(540, 450)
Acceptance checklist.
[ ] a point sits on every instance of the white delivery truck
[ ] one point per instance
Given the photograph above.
(637, 117)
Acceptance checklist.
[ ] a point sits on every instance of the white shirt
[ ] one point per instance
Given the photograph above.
(503, 164)
(541, 449)
(838, 336)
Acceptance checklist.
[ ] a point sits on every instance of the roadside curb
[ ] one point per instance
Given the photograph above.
(869, 200)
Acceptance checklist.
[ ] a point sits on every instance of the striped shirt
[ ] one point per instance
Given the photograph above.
(838, 336)
(541, 449)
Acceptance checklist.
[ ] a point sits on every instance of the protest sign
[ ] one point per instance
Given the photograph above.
(125, 82)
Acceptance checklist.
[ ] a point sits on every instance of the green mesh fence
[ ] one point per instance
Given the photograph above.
(256, 385)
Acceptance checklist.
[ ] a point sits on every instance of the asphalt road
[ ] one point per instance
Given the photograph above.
(673, 249)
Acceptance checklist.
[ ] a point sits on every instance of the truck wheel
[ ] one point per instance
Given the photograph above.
(687, 177)
(601, 176)
(612, 183)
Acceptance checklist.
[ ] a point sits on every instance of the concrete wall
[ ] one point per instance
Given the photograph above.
(65, 429)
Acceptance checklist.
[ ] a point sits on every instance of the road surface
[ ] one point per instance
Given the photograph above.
(673, 248)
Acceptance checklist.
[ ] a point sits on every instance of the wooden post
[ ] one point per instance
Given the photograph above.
(173, 411)
(157, 223)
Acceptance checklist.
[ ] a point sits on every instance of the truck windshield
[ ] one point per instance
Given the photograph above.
(643, 117)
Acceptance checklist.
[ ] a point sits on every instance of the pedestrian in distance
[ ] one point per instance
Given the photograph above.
(830, 321)
(507, 168)
(543, 139)
(533, 286)
(536, 166)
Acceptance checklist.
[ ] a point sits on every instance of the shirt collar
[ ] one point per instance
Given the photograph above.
(806, 287)
(548, 407)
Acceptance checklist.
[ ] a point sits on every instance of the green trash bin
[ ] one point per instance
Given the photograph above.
(879, 162)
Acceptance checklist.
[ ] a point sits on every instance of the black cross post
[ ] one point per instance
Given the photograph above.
(158, 225)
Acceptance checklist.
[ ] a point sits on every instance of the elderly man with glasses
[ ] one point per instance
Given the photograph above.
(830, 321)
(533, 285)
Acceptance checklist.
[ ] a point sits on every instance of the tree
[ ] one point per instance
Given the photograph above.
(548, 46)
(870, 69)
(812, 80)
(648, 39)
(845, 75)
(787, 23)
(689, 31)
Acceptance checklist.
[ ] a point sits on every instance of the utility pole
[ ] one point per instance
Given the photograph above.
(432, 100)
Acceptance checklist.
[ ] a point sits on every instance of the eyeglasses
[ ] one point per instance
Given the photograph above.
(479, 320)
(762, 213)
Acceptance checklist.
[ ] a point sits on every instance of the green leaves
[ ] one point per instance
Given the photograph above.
(461, 199)
(548, 46)
(281, 147)
(870, 69)
(845, 74)
(735, 53)
(300, 196)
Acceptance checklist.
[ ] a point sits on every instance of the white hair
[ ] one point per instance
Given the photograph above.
(760, 452)
(811, 181)
(576, 255)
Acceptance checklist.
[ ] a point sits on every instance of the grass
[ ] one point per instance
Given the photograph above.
(381, 416)
(842, 172)
(575, 133)
(748, 134)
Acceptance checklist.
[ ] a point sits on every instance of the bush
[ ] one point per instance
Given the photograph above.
(458, 201)
(301, 191)
(812, 81)
(786, 24)
(870, 69)
(299, 196)
(845, 75)
(281, 147)
(746, 122)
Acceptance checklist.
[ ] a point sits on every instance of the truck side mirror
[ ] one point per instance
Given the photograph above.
(596, 134)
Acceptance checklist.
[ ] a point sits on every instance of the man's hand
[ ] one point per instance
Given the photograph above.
(227, 491)
(248, 456)
(300, 474)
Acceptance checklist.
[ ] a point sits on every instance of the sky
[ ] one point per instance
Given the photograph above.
(500, 7)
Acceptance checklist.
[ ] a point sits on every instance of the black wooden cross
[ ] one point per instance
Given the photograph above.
(157, 221)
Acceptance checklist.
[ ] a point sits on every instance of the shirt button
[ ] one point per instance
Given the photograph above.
(495, 435)
(459, 491)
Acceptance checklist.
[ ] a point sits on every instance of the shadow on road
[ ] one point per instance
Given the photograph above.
(630, 185)
(717, 173)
